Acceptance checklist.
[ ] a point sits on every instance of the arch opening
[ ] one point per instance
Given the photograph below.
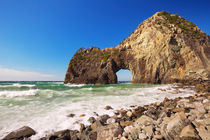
(124, 76)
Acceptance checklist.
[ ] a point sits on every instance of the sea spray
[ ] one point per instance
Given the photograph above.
(46, 105)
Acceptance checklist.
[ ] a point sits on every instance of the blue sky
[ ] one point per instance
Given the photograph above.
(41, 36)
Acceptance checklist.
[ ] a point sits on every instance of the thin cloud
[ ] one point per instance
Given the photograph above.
(7, 74)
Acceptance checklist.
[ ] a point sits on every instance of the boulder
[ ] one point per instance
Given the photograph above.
(171, 127)
(23, 132)
(126, 123)
(149, 130)
(204, 134)
(188, 133)
(96, 125)
(109, 131)
(129, 114)
(144, 120)
(158, 137)
(103, 118)
(108, 107)
(142, 136)
(71, 115)
(111, 120)
(91, 120)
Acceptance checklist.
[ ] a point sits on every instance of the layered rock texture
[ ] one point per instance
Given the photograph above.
(165, 48)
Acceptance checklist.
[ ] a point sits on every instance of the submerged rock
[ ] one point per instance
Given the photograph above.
(21, 133)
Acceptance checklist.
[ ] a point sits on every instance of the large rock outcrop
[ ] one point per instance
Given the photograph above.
(165, 48)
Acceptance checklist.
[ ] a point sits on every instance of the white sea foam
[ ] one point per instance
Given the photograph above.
(11, 94)
(52, 116)
(18, 85)
(74, 85)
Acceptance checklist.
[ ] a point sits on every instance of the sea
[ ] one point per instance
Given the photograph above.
(45, 106)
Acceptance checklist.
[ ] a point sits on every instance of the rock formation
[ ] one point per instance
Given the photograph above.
(165, 48)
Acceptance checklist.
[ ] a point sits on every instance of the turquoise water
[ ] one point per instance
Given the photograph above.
(44, 106)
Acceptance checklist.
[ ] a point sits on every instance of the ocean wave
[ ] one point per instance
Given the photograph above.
(11, 94)
(74, 85)
(18, 85)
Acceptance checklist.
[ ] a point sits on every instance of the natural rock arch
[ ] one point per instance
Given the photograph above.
(124, 75)
(165, 48)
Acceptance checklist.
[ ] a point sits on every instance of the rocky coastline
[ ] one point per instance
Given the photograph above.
(185, 118)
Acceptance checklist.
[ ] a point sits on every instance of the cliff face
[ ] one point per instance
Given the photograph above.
(165, 48)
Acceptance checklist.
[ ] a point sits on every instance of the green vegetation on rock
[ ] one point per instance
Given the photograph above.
(186, 26)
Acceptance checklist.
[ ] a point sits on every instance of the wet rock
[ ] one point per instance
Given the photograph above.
(96, 125)
(73, 134)
(165, 101)
(92, 136)
(95, 113)
(188, 133)
(109, 131)
(108, 107)
(71, 115)
(139, 111)
(91, 120)
(52, 137)
(121, 112)
(23, 132)
(103, 118)
(152, 112)
(82, 127)
(60, 133)
(164, 90)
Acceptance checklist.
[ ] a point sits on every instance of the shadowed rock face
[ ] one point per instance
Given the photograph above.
(165, 48)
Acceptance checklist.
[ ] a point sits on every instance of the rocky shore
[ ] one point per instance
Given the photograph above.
(180, 118)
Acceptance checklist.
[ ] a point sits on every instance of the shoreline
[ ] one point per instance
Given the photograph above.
(127, 124)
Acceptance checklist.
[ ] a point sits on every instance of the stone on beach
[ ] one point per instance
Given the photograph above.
(108, 107)
(21, 133)
(144, 120)
(188, 133)
(109, 131)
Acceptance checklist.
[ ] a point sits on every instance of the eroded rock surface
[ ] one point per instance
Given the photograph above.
(165, 48)
(21, 133)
